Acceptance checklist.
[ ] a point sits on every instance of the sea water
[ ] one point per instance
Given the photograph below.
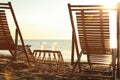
(64, 46)
(60, 45)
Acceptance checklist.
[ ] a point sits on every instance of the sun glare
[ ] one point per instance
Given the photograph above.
(113, 27)
(113, 23)
(110, 3)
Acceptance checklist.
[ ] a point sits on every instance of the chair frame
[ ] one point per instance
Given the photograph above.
(118, 40)
(75, 8)
(18, 34)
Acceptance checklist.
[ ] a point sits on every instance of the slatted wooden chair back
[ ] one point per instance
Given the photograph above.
(91, 29)
(93, 32)
(6, 40)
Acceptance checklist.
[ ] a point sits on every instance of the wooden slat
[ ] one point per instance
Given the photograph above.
(5, 37)
(92, 27)
(95, 58)
(95, 12)
(93, 30)
(93, 24)
(92, 17)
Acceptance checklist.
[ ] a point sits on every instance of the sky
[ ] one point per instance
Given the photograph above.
(46, 19)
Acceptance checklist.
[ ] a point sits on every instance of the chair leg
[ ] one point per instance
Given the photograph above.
(8, 64)
(74, 66)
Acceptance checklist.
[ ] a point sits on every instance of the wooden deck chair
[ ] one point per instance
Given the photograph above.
(118, 40)
(91, 24)
(6, 40)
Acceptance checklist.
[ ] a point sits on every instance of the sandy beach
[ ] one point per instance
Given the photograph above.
(20, 70)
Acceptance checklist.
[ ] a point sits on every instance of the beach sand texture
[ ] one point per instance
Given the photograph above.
(20, 70)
